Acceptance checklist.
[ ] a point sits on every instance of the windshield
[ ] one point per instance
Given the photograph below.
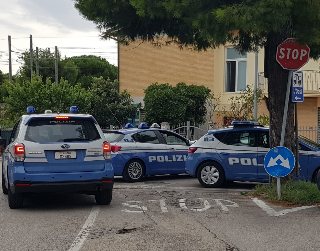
(50, 130)
(113, 136)
(309, 142)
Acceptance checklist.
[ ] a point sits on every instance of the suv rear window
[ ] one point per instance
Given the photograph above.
(48, 130)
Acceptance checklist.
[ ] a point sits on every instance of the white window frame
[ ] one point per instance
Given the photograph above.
(237, 60)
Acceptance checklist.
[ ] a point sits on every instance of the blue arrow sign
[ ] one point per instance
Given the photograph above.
(279, 161)
(297, 87)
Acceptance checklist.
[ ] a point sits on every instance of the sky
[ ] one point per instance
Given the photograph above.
(51, 23)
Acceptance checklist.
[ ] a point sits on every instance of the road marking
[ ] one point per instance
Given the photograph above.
(270, 211)
(85, 230)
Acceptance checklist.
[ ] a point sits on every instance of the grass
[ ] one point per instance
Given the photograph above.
(292, 193)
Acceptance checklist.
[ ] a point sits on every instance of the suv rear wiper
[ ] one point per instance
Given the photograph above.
(76, 139)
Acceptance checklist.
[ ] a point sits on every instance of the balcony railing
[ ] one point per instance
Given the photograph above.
(311, 82)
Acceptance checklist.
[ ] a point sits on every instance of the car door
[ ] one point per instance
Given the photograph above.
(177, 151)
(238, 151)
(152, 151)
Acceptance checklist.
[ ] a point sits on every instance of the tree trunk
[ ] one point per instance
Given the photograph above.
(277, 88)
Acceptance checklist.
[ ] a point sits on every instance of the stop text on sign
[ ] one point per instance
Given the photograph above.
(291, 55)
(288, 53)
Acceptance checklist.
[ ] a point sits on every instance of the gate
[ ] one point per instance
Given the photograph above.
(189, 131)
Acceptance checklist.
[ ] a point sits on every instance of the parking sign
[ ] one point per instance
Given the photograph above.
(297, 86)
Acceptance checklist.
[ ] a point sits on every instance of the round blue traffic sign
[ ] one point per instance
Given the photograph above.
(279, 161)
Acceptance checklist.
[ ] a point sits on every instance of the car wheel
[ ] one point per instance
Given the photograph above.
(211, 174)
(133, 171)
(318, 180)
(15, 200)
(4, 188)
(104, 197)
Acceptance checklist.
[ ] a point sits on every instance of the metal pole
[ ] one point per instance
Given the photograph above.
(37, 61)
(188, 129)
(56, 65)
(284, 122)
(31, 57)
(10, 63)
(255, 88)
(285, 112)
(297, 139)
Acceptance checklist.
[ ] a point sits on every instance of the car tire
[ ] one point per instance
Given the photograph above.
(211, 174)
(318, 180)
(104, 197)
(133, 171)
(4, 188)
(15, 199)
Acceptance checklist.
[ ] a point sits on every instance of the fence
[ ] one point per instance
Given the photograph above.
(310, 132)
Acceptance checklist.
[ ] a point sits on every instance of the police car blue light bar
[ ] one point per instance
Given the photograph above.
(128, 125)
(143, 126)
(31, 110)
(74, 109)
(252, 123)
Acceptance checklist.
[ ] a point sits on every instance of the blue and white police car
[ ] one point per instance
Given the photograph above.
(143, 151)
(57, 152)
(237, 154)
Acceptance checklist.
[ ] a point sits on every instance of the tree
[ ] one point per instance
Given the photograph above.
(108, 106)
(46, 64)
(242, 107)
(248, 24)
(44, 96)
(175, 105)
(80, 69)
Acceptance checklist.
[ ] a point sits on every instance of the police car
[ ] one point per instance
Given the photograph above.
(237, 153)
(57, 152)
(143, 151)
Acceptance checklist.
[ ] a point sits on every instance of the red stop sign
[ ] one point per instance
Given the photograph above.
(291, 55)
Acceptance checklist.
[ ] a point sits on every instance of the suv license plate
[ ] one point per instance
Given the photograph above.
(65, 155)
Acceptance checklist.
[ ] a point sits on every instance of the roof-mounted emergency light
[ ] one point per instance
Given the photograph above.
(245, 123)
(155, 125)
(74, 109)
(143, 126)
(31, 110)
(128, 125)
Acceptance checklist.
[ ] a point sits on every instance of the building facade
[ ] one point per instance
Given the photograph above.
(223, 70)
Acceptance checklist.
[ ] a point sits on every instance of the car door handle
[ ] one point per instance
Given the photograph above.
(225, 153)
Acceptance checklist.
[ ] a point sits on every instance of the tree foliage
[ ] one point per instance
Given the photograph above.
(182, 103)
(109, 106)
(44, 96)
(78, 69)
(102, 99)
(206, 23)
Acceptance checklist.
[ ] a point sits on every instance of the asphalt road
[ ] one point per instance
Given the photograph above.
(161, 213)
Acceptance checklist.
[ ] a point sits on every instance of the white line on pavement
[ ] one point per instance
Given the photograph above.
(84, 232)
(270, 211)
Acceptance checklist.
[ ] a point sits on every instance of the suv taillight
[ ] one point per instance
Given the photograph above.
(106, 150)
(19, 152)
(192, 149)
(115, 149)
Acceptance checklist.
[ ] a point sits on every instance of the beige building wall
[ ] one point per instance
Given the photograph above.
(141, 64)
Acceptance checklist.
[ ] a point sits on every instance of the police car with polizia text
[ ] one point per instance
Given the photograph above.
(57, 152)
(237, 153)
(143, 151)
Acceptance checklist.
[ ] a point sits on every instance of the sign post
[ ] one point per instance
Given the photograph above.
(291, 56)
(279, 162)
